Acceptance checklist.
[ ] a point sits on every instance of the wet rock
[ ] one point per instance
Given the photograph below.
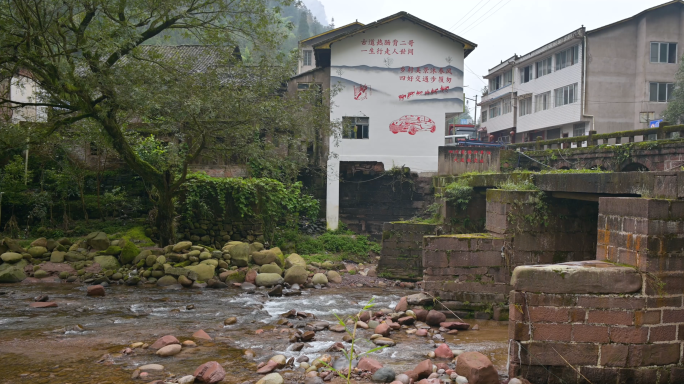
(268, 279)
(431, 354)
(248, 287)
(201, 335)
(308, 336)
(455, 325)
(215, 283)
(169, 350)
(210, 373)
(402, 378)
(402, 306)
(294, 259)
(230, 321)
(204, 271)
(444, 352)
(383, 329)
(319, 278)
(313, 380)
(277, 291)
(250, 276)
(336, 347)
(273, 378)
(96, 290)
(422, 371)
(477, 368)
(361, 324)
(164, 341)
(453, 332)
(47, 304)
(270, 366)
(338, 328)
(475, 327)
(184, 281)
(151, 368)
(41, 298)
(181, 246)
(365, 316)
(189, 379)
(264, 257)
(434, 318)
(189, 344)
(11, 257)
(280, 361)
(406, 320)
(98, 240)
(384, 341)
(334, 277)
(296, 275)
(419, 299)
(383, 375)
(167, 281)
(368, 364)
(319, 325)
(421, 314)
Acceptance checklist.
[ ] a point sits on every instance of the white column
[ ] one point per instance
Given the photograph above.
(332, 207)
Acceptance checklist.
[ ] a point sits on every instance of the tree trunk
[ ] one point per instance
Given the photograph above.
(164, 220)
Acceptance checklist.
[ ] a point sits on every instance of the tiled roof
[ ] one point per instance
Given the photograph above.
(198, 57)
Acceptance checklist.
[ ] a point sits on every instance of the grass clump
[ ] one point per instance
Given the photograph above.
(338, 245)
(458, 193)
(524, 185)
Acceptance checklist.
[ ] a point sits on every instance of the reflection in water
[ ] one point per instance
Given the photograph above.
(64, 344)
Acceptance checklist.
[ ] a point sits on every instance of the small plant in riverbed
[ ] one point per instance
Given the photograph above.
(349, 355)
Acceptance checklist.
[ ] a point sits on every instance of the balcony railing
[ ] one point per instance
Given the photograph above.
(594, 139)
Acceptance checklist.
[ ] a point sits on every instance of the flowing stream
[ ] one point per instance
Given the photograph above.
(81, 340)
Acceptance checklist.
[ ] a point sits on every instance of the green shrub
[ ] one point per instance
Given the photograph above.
(458, 193)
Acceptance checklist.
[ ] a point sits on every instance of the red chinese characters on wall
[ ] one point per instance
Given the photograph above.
(387, 47)
(470, 156)
(407, 96)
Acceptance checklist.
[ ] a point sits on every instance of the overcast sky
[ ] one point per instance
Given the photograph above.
(500, 28)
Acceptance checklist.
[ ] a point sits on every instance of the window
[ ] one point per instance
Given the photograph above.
(494, 110)
(578, 130)
(661, 92)
(507, 106)
(508, 78)
(542, 101)
(484, 115)
(308, 57)
(553, 134)
(663, 52)
(567, 58)
(525, 106)
(565, 95)
(495, 83)
(526, 74)
(543, 67)
(645, 117)
(355, 127)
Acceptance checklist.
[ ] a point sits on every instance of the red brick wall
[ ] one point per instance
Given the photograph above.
(606, 338)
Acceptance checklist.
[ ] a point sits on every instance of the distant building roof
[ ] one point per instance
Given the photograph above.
(199, 57)
(468, 46)
(636, 16)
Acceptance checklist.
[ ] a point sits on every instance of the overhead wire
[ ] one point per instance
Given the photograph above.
(470, 23)
(471, 9)
(469, 29)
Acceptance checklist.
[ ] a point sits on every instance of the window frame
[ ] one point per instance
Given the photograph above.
(569, 56)
(530, 73)
(347, 125)
(307, 54)
(544, 65)
(669, 88)
(506, 106)
(507, 78)
(566, 94)
(545, 99)
(668, 55)
(525, 106)
(483, 115)
(495, 110)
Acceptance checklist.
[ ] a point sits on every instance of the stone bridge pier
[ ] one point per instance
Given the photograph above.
(617, 319)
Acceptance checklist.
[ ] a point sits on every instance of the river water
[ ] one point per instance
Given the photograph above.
(80, 341)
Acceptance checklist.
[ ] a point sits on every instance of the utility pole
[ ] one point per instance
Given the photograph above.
(475, 112)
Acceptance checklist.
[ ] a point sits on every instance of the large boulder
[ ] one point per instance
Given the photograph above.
(107, 262)
(210, 373)
(57, 257)
(264, 257)
(271, 268)
(368, 364)
(294, 259)
(296, 275)
(37, 251)
(435, 317)
(166, 281)
(13, 274)
(232, 277)
(98, 240)
(477, 368)
(255, 247)
(319, 278)
(239, 255)
(183, 245)
(334, 277)
(204, 271)
(268, 279)
(11, 257)
(39, 242)
(129, 251)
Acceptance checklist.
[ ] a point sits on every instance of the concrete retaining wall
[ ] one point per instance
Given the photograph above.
(402, 249)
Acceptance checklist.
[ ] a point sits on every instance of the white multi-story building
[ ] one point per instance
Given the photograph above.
(614, 78)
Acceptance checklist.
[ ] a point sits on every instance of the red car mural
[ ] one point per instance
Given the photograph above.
(412, 124)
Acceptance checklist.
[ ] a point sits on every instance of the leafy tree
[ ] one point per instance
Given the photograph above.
(89, 59)
(675, 107)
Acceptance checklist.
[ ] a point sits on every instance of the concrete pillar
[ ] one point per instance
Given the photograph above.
(332, 207)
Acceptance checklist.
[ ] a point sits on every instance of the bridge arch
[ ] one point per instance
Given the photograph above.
(634, 167)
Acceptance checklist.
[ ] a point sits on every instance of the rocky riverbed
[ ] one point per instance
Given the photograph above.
(107, 339)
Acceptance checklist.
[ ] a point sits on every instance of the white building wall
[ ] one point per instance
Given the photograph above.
(378, 86)
(25, 90)
(554, 116)
(503, 121)
(302, 67)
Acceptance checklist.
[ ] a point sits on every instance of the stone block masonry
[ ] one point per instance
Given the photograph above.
(595, 322)
(402, 249)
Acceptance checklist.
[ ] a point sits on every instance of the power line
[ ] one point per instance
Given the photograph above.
(476, 75)
(471, 9)
(492, 14)
(479, 18)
